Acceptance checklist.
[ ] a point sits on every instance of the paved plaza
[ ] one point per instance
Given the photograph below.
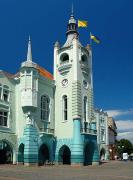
(115, 170)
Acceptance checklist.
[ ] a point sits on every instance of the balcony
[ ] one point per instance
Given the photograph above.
(64, 67)
(46, 131)
(88, 131)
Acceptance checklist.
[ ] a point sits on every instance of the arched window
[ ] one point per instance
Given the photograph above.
(85, 108)
(65, 108)
(45, 108)
(84, 59)
(64, 58)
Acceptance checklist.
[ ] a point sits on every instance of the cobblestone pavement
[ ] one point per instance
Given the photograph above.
(114, 170)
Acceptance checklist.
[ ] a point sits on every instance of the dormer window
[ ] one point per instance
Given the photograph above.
(5, 93)
(64, 58)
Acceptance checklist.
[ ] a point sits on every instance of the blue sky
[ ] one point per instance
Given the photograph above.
(46, 22)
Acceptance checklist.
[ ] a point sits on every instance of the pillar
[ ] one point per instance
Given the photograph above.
(77, 145)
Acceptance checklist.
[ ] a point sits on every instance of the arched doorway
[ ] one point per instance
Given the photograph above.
(88, 153)
(6, 153)
(102, 154)
(43, 154)
(21, 153)
(64, 155)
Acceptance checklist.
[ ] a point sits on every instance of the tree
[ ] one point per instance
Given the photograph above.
(124, 146)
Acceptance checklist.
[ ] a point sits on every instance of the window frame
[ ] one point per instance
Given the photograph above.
(65, 107)
(45, 108)
(85, 106)
(3, 118)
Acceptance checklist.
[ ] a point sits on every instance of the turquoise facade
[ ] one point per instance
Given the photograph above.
(47, 119)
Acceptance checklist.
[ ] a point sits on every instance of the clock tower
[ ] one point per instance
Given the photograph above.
(75, 126)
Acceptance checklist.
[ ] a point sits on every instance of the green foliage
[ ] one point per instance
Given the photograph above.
(124, 145)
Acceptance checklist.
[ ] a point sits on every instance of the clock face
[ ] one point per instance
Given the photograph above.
(64, 82)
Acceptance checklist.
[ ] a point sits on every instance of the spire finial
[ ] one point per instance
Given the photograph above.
(29, 53)
(72, 10)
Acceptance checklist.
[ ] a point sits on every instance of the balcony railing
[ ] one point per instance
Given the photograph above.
(88, 131)
(46, 130)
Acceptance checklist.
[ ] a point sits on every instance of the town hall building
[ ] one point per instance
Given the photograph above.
(47, 118)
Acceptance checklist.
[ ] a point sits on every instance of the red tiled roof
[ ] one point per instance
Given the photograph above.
(45, 73)
(41, 70)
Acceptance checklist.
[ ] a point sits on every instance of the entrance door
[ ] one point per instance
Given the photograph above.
(102, 154)
(65, 155)
(43, 155)
(88, 153)
(6, 153)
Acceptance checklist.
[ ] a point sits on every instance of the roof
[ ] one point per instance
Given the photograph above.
(8, 75)
(41, 70)
(45, 73)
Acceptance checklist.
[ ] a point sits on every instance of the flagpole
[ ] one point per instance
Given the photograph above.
(90, 39)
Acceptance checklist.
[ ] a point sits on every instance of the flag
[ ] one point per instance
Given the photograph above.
(95, 39)
(82, 23)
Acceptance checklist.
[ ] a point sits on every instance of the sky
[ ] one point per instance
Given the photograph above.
(46, 22)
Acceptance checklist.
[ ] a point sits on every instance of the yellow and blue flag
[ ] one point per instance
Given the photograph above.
(95, 39)
(82, 23)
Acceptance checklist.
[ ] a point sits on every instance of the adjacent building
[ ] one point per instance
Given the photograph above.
(112, 133)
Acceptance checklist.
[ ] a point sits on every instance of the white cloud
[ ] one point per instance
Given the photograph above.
(124, 125)
(126, 135)
(117, 112)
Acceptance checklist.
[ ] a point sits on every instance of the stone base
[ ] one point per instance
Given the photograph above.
(20, 163)
(76, 164)
(95, 163)
(30, 164)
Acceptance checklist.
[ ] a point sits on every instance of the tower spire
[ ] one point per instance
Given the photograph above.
(29, 53)
(72, 12)
(72, 25)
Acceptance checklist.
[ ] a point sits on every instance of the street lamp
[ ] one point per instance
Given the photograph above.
(110, 150)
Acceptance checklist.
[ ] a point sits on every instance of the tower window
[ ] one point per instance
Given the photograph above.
(64, 58)
(45, 108)
(84, 59)
(85, 108)
(65, 105)
(3, 118)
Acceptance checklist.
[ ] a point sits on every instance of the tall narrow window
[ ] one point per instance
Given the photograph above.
(45, 108)
(102, 135)
(5, 95)
(65, 107)
(3, 118)
(85, 108)
(0, 90)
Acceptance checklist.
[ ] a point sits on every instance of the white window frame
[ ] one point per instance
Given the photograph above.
(65, 109)
(7, 117)
(45, 111)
